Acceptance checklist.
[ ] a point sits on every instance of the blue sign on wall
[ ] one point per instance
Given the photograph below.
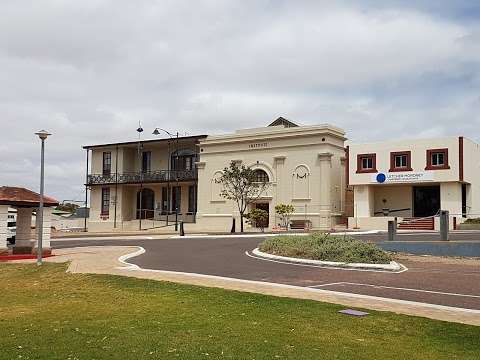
(381, 178)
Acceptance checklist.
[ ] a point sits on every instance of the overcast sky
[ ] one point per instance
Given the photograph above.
(88, 71)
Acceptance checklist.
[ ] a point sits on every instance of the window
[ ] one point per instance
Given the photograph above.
(366, 163)
(107, 163)
(176, 199)
(192, 199)
(400, 161)
(105, 201)
(164, 200)
(146, 161)
(437, 159)
(261, 176)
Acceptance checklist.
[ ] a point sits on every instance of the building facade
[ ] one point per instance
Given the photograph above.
(303, 165)
(154, 183)
(142, 184)
(150, 184)
(414, 179)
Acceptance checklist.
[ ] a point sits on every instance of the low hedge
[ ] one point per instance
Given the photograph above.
(472, 221)
(325, 247)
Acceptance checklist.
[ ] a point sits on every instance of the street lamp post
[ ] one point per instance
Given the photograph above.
(157, 132)
(140, 194)
(42, 134)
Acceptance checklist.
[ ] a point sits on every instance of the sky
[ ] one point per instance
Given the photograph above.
(88, 71)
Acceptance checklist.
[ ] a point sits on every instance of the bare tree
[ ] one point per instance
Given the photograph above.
(240, 185)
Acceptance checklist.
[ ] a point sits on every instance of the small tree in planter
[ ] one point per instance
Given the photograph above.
(284, 211)
(240, 184)
(258, 218)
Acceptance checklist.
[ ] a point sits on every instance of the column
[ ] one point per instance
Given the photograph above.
(47, 221)
(325, 189)
(363, 201)
(280, 189)
(3, 228)
(24, 237)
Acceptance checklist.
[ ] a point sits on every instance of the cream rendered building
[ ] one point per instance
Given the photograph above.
(142, 184)
(149, 184)
(414, 179)
(304, 166)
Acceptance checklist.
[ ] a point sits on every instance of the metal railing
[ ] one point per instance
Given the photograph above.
(142, 177)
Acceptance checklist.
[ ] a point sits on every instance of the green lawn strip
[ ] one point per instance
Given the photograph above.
(325, 247)
(46, 313)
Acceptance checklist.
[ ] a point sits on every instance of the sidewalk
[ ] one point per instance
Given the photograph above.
(113, 260)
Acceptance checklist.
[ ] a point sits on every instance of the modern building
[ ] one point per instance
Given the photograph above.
(152, 183)
(142, 184)
(414, 179)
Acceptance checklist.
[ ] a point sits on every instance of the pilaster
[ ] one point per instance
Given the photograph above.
(325, 160)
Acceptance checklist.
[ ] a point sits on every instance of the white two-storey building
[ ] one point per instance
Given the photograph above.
(414, 179)
(153, 182)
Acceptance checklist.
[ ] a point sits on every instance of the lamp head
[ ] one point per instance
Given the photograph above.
(42, 134)
(156, 132)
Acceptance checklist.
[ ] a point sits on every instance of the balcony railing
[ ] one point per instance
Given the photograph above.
(142, 177)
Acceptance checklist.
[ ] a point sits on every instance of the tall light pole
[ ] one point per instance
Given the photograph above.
(42, 134)
(140, 156)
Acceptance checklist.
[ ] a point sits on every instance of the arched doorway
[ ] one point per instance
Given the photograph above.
(148, 203)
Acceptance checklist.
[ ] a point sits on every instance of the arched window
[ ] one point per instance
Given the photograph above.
(261, 176)
(147, 198)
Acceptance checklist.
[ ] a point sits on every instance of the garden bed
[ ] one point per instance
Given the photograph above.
(325, 247)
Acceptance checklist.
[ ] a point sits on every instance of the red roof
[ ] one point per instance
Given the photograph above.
(18, 196)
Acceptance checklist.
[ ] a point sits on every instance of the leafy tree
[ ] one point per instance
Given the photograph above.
(70, 207)
(258, 218)
(241, 186)
(284, 211)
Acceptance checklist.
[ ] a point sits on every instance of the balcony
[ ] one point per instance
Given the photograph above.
(157, 176)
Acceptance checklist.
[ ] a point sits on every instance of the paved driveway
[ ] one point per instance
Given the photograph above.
(455, 285)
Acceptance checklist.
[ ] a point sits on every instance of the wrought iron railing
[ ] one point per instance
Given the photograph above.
(142, 177)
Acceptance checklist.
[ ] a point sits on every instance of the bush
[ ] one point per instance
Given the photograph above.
(325, 247)
(472, 221)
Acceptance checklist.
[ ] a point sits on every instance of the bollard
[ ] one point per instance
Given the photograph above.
(444, 226)
(232, 230)
(182, 230)
(391, 230)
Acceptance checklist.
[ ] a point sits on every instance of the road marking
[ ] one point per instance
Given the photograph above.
(132, 267)
(404, 268)
(394, 288)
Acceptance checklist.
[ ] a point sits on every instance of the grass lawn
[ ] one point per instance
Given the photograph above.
(46, 313)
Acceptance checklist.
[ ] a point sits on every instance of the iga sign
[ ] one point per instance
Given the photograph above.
(402, 177)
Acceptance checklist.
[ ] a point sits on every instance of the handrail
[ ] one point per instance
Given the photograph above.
(144, 176)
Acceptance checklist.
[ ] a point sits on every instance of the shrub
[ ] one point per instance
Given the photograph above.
(472, 221)
(325, 247)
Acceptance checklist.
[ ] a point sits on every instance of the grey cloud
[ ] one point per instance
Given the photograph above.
(88, 71)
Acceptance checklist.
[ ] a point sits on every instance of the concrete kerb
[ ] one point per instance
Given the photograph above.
(392, 266)
(256, 235)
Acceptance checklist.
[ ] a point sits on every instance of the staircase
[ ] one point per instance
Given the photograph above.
(417, 224)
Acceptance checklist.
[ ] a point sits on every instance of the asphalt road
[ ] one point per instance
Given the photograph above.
(435, 283)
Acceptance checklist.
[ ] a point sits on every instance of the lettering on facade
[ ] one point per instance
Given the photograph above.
(402, 177)
(258, 145)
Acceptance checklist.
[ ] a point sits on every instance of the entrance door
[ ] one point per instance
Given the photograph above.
(426, 200)
(263, 206)
(147, 198)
